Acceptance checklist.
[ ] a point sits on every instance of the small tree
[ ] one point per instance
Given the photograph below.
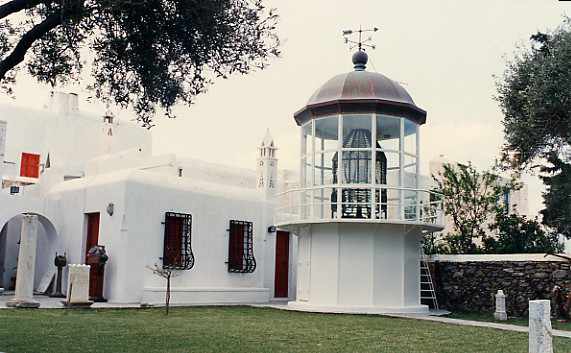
(167, 274)
(518, 234)
(470, 199)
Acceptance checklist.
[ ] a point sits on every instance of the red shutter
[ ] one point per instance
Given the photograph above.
(173, 241)
(30, 165)
(236, 247)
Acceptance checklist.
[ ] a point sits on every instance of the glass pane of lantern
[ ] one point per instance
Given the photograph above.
(324, 203)
(409, 170)
(388, 132)
(357, 131)
(409, 136)
(389, 161)
(326, 133)
(305, 204)
(356, 203)
(410, 204)
(324, 166)
(307, 172)
(306, 140)
(356, 167)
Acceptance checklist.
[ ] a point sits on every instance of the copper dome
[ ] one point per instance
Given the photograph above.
(361, 92)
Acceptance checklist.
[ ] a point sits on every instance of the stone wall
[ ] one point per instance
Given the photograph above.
(469, 282)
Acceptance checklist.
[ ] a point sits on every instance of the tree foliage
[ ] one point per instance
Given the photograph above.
(470, 200)
(518, 234)
(535, 97)
(557, 199)
(482, 219)
(144, 54)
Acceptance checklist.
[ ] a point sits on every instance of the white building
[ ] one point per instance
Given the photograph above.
(93, 180)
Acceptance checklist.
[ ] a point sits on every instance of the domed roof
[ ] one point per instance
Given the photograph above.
(361, 91)
(361, 85)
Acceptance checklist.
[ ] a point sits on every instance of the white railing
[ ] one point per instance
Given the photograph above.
(359, 203)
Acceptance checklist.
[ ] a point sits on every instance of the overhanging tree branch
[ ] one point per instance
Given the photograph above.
(19, 5)
(17, 55)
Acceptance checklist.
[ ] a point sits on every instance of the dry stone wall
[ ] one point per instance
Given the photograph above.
(471, 285)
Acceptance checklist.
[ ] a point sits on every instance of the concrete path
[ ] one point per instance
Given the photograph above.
(498, 326)
(436, 317)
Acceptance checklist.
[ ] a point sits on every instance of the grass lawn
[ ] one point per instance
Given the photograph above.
(521, 321)
(242, 329)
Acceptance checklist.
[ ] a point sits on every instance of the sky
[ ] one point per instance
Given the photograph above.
(446, 53)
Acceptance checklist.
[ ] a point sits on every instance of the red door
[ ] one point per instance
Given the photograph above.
(92, 240)
(92, 231)
(282, 265)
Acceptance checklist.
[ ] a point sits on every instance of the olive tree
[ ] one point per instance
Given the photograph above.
(534, 94)
(142, 54)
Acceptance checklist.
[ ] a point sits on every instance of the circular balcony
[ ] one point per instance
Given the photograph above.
(360, 204)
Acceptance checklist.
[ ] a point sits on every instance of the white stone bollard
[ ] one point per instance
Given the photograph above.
(500, 313)
(540, 333)
(24, 296)
(78, 286)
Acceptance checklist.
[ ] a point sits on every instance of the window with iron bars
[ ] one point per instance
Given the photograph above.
(177, 253)
(241, 248)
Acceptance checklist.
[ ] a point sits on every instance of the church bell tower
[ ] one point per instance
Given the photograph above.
(267, 168)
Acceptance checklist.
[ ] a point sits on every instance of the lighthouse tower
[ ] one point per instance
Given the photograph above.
(267, 168)
(359, 211)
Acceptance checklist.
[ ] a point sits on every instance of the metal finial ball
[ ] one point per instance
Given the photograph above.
(360, 59)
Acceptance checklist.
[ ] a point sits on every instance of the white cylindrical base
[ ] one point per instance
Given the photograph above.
(359, 268)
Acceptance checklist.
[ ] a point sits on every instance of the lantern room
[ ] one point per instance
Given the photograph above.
(360, 209)
(360, 151)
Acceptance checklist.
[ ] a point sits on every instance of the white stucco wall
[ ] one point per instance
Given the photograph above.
(133, 236)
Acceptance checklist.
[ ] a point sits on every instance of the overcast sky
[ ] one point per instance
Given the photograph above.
(444, 52)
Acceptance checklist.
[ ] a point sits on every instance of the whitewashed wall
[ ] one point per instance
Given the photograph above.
(133, 236)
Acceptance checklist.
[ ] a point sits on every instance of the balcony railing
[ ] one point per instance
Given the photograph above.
(359, 203)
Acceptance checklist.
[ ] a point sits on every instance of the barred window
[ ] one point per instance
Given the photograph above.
(177, 253)
(241, 248)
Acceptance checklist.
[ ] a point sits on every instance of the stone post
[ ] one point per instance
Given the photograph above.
(78, 286)
(500, 313)
(540, 334)
(24, 297)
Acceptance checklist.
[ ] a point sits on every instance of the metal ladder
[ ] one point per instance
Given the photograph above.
(427, 291)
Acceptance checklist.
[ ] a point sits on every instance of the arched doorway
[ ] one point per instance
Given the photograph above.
(47, 246)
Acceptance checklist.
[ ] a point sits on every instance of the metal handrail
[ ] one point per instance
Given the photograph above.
(302, 205)
(358, 186)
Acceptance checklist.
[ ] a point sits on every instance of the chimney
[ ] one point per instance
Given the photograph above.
(64, 103)
(73, 101)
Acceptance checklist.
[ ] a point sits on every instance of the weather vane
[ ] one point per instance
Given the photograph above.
(360, 43)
